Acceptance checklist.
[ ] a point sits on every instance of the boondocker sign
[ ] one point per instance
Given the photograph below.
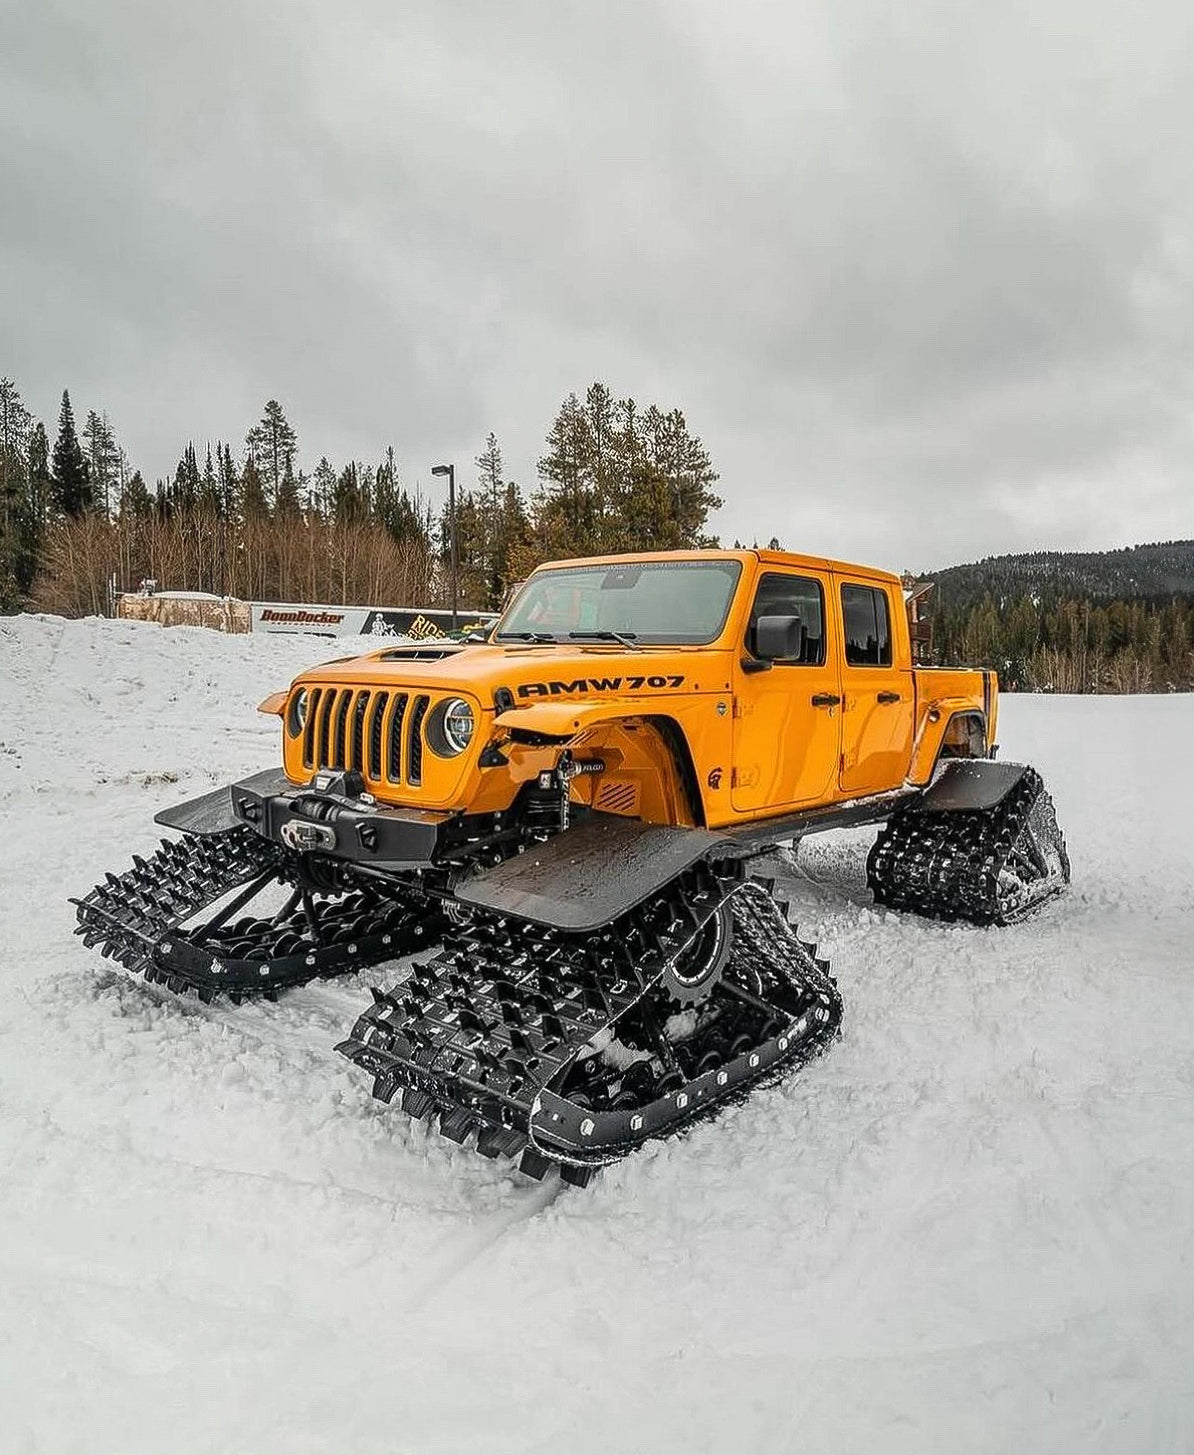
(363, 621)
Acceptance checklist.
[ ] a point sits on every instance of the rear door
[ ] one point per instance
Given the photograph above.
(787, 719)
(877, 707)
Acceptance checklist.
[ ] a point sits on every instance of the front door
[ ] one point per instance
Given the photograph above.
(878, 709)
(787, 718)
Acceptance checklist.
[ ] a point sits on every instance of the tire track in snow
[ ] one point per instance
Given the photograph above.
(458, 1252)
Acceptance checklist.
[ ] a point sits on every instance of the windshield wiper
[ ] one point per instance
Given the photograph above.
(627, 639)
(525, 637)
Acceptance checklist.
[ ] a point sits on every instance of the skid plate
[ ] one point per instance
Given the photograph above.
(587, 876)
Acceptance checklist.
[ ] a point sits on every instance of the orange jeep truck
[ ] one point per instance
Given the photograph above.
(565, 814)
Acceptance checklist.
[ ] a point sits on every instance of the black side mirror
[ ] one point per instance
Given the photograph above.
(777, 638)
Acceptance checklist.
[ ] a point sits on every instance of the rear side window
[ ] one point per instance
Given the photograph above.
(783, 595)
(868, 633)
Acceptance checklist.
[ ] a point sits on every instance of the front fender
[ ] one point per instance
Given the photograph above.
(683, 734)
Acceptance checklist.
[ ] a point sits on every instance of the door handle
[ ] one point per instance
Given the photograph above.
(888, 697)
(826, 699)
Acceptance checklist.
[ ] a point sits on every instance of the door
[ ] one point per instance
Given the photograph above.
(877, 707)
(787, 717)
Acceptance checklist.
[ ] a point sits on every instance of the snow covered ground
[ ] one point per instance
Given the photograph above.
(969, 1227)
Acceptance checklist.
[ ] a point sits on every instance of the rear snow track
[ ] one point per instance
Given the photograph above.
(969, 1227)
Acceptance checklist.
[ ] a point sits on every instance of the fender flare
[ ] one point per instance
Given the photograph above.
(564, 720)
(975, 717)
(930, 734)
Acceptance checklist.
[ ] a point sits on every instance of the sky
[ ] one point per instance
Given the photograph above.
(919, 274)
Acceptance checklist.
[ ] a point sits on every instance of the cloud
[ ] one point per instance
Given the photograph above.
(920, 276)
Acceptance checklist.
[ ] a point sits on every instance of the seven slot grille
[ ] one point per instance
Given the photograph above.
(380, 734)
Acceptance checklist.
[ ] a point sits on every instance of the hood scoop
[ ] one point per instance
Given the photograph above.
(420, 653)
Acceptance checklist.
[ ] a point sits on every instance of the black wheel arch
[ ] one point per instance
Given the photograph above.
(677, 744)
(965, 736)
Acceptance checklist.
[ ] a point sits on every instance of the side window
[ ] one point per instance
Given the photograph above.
(868, 633)
(783, 595)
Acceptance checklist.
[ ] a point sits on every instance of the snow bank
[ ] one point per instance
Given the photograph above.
(968, 1228)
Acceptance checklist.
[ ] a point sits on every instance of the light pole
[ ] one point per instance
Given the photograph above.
(450, 472)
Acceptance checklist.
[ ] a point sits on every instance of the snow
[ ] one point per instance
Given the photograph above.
(969, 1227)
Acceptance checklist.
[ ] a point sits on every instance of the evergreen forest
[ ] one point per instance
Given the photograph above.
(78, 520)
(1105, 621)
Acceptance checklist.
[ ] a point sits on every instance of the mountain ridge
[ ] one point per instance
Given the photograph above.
(1154, 571)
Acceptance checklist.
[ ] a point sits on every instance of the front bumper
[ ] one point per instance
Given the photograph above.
(329, 816)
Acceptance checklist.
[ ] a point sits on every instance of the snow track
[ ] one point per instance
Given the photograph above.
(967, 1228)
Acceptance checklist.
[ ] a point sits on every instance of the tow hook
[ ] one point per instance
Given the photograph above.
(305, 836)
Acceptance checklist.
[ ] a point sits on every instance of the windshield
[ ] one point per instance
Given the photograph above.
(675, 602)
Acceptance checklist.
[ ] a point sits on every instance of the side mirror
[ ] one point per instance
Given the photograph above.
(777, 638)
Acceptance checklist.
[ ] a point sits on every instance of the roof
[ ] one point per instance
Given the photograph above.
(787, 559)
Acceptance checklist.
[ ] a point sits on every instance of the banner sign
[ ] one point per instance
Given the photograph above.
(364, 621)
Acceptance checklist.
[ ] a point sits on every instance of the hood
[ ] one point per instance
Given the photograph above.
(531, 672)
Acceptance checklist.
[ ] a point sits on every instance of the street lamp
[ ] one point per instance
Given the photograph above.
(450, 472)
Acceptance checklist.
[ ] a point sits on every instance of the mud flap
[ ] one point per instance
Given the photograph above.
(967, 783)
(586, 877)
(212, 813)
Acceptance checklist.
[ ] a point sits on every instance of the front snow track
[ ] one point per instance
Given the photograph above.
(151, 919)
(565, 1047)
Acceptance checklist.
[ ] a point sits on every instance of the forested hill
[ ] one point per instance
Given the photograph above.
(1148, 573)
(1051, 621)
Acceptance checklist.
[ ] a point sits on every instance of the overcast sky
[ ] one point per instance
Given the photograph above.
(919, 274)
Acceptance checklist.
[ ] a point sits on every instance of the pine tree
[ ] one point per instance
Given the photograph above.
(287, 501)
(563, 506)
(227, 481)
(184, 491)
(15, 424)
(472, 537)
(273, 444)
(391, 504)
(514, 543)
(322, 494)
(103, 460)
(254, 504)
(491, 490)
(348, 496)
(210, 494)
(40, 483)
(136, 501)
(610, 467)
(71, 494)
(682, 467)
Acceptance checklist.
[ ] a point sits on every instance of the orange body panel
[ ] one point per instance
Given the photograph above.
(685, 733)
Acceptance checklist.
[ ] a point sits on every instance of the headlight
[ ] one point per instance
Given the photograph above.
(298, 712)
(451, 728)
(457, 722)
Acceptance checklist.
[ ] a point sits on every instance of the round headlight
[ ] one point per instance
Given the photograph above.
(298, 711)
(458, 725)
